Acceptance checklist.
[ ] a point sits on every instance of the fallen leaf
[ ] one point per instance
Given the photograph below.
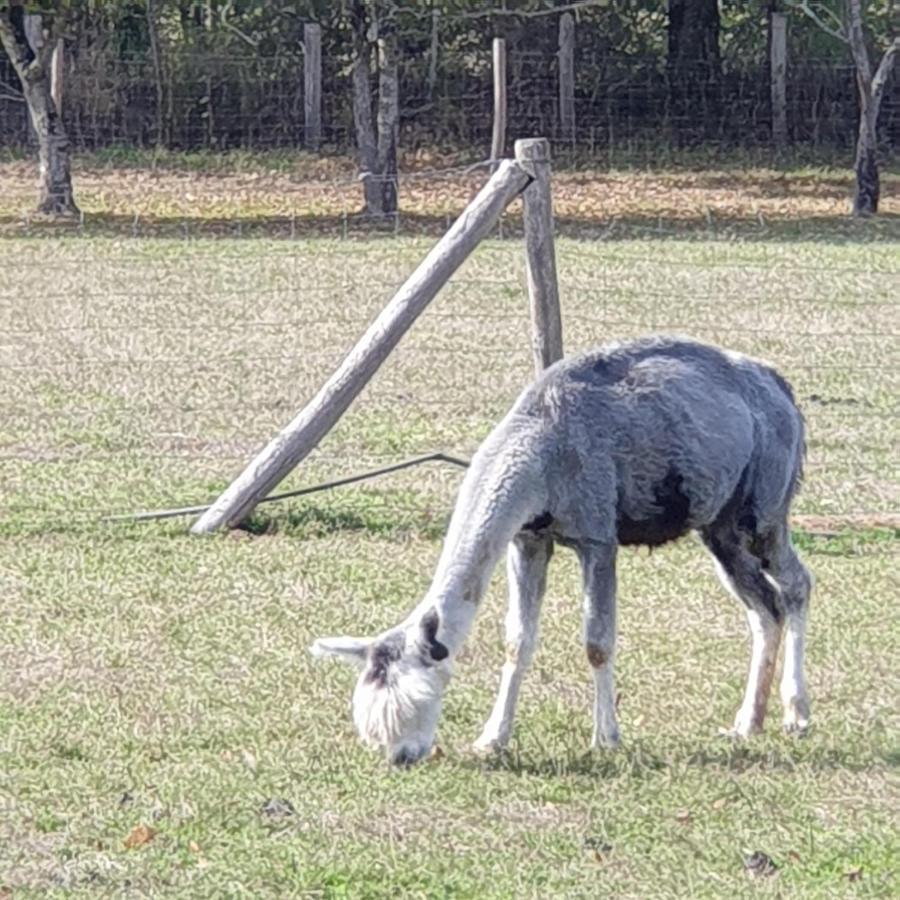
(759, 865)
(683, 816)
(597, 845)
(721, 803)
(140, 835)
(194, 847)
(249, 760)
(436, 754)
(794, 856)
(277, 808)
(854, 874)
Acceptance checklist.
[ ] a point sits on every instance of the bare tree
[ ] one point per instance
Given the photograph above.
(376, 143)
(32, 65)
(849, 30)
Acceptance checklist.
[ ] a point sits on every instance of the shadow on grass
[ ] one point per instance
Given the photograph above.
(309, 521)
(639, 758)
(819, 229)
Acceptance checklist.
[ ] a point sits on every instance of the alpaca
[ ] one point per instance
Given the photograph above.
(634, 443)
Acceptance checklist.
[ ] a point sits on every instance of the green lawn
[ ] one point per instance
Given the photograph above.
(150, 678)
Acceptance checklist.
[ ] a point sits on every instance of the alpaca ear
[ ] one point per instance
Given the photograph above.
(348, 649)
(433, 647)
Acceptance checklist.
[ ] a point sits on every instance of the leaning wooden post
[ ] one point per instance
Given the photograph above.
(567, 78)
(320, 414)
(540, 257)
(312, 86)
(778, 64)
(498, 138)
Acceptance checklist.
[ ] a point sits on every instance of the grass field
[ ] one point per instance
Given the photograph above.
(152, 679)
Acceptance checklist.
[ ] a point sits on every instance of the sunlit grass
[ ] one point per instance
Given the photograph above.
(149, 678)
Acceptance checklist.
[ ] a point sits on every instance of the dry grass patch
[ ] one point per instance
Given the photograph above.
(300, 194)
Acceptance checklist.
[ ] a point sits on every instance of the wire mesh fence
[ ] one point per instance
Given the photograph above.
(145, 371)
(624, 103)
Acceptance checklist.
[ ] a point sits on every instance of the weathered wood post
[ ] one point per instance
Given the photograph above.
(778, 69)
(317, 418)
(567, 78)
(312, 86)
(533, 155)
(498, 138)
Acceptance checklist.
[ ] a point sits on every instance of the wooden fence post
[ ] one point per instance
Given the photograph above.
(498, 139)
(317, 418)
(312, 86)
(778, 68)
(543, 292)
(567, 77)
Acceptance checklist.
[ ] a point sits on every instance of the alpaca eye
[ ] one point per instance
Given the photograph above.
(436, 650)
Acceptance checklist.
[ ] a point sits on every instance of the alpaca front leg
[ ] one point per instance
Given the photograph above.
(599, 569)
(526, 566)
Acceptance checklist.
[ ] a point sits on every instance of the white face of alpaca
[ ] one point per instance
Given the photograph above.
(397, 699)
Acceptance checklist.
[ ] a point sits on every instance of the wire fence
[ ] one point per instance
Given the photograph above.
(625, 105)
(144, 372)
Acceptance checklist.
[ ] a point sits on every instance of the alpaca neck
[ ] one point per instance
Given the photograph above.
(499, 494)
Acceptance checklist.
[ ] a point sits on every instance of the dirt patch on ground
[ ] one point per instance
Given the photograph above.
(324, 195)
(856, 522)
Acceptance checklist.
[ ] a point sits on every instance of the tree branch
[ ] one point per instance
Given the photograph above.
(10, 94)
(233, 28)
(24, 60)
(837, 30)
(883, 72)
(526, 14)
(857, 39)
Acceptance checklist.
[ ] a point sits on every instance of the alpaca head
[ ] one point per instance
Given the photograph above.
(397, 699)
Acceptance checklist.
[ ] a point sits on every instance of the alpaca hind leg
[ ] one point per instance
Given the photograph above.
(599, 569)
(742, 574)
(526, 565)
(795, 582)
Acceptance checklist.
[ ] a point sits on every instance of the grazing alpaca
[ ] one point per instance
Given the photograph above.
(635, 443)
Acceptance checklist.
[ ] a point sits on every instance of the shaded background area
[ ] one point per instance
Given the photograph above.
(223, 76)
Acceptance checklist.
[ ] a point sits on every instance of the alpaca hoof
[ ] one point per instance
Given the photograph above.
(796, 724)
(606, 741)
(742, 729)
(488, 744)
(796, 717)
(796, 729)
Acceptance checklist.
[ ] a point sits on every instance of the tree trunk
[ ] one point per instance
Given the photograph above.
(871, 89)
(693, 66)
(157, 72)
(377, 152)
(388, 121)
(868, 184)
(362, 101)
(56, 196)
